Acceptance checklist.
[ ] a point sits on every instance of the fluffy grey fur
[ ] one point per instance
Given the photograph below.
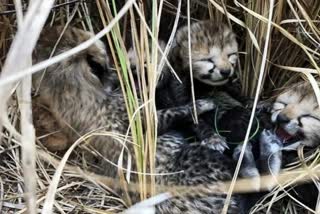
(74, 92)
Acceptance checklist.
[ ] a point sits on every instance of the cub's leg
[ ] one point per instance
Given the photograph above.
(168, 117)
(48, 129)
(205, 133)
(248, 167)
(270, 153)
(270, 160)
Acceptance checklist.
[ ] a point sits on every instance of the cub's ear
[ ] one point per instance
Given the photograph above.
(133, 59)
(181, 35)
(98, 69)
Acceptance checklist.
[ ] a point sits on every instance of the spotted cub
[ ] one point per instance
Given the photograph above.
(213, 60)
(297, 113)
(213, 52)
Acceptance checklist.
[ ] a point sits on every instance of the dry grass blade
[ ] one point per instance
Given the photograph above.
(190, 65)
(48, 204)
(62, 186)
(315, 86)
(262, 70)
(147, 206)
(50, 196)
(106, 16)
(1, 194)
(28, 143)
(28, 29)
(287, 34)
(170, 41)
(60, 57)
(285, 178)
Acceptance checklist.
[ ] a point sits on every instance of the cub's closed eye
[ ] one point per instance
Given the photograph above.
(207, 60)
(233, 58)
(309, 116)
(232, 54)
(280, 104)
(277, 106)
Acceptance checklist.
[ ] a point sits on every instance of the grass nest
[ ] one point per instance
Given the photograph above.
(28, 169)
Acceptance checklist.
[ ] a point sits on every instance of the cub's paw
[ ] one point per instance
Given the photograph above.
(270, 143)
(215, 142)
(248, 165)
(270, 155)
(204, 105)
(262, 106)
(247, 152)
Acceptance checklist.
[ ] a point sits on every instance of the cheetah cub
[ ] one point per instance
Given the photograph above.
(297, 114)
(213, 60)
(213, 52)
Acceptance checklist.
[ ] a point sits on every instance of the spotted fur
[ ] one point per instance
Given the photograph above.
(213, 57)
(76, 96)
(200, 165)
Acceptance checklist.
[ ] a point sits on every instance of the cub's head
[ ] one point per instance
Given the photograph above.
(297, 113)
(213, 51)
(84, 71)
(134, 59)
(136, 63)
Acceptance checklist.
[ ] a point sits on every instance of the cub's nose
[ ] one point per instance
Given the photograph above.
(225, 72)
(281, 118)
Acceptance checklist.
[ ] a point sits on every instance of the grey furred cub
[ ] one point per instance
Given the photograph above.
(74, 92)
(213, 60)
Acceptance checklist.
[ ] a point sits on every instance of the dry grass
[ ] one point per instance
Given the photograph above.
(277, 50)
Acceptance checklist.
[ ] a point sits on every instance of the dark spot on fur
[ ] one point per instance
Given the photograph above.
(97, 69)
